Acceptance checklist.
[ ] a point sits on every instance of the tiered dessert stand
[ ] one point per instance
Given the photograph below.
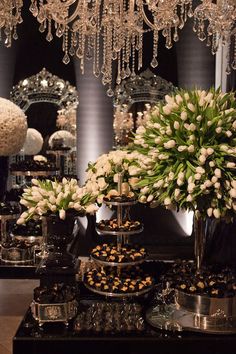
(122, 237)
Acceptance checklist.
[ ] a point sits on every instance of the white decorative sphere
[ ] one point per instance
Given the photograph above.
(67, 138)
(33, 142)
(13, 127)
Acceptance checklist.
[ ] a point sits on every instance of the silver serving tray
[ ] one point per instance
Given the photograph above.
(15, 255)
(117, 264)
(175, 319)
(206, 305)
(119, 233)
(30, 239)
(119, 295)
(58, 312)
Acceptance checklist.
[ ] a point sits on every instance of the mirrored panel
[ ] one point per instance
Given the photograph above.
(133, 99)
(50, 104)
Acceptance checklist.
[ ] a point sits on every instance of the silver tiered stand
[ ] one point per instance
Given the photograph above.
(122, 237)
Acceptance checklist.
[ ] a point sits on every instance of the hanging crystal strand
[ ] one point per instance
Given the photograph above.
(214, 45)
(181, 22)
(190, 10)
(127, 56)
(123, 74)
(97, 50)
(103, 68)
(185, 12)
(118, 77)
(110, 92)
(168, 38)
(195, 26)
(49, 36)
(140, 51)
(176, 35)
(34, 8)
(154, 62)
(66, 58)
(133, 75)
(72, 47)
(96, 67)
(15, 35)
(18, 12)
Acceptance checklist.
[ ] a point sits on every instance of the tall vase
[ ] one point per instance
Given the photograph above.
(59, 234)
(199, 226)
(214, 242)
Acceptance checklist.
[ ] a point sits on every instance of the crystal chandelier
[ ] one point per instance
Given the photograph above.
(10, 17)
(110, 30)
(216, 22)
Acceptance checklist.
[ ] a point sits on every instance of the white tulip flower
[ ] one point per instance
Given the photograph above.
(176, 124)
(183, 115)
(214, 179)
(216, 213)
(217, 172)
(182, 148)
(230, 164)
(191, 107)
(167, 201)
(169, 144)
(209, 212)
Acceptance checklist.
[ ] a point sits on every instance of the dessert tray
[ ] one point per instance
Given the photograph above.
(127, 255)
(17, 252)
(111, 279)
(54, 304)
(202, 302)
(115, 283)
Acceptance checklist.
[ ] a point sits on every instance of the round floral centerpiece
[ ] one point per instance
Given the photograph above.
(102, 176)
(191, 139)
(13, 128)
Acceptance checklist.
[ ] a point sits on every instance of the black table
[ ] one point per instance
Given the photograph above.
(58, 339)
(10, 271)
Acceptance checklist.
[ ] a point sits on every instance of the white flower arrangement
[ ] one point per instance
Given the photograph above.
(53, 197)
(191, 139)
(33, 142)
(102, 176)
(13, 128)
(67, 138)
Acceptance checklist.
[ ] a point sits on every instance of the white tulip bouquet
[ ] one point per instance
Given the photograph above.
(102, 176)
(53, 197)
(191, 140)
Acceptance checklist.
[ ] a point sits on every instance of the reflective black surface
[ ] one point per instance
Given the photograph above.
(113, 335)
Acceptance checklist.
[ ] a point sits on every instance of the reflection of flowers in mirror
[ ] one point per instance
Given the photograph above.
(66, 119)
(40, 158)
(142, 117)
(33, 142)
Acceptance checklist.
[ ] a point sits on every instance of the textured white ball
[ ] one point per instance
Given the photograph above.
(13, 127)
(68, 138)
(33, 142)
